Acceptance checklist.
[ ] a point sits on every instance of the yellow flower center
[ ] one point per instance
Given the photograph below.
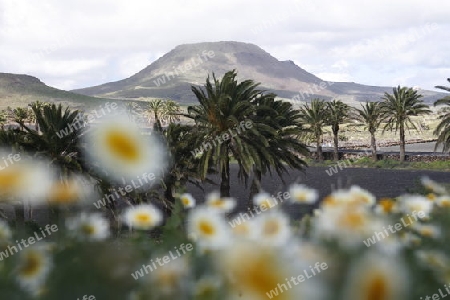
(352, 220)
(88, 229)
(206, 228)
(266, 203)
(142, 218)
(63, 193)
(431, 196)
(271, 227)
(362, 199)
(168, 279)
(205, 291)
(9, 179)
(241, 229)
(329, 200)
(123, 146)
(427, 232)
(32, 265)
(257, 275)
(377, 289)
(300, 197)
(216, 203)
(387, 205)
(445, 203)
(185, 201)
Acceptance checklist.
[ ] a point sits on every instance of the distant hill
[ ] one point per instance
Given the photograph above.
(172, 76)
(20, 90)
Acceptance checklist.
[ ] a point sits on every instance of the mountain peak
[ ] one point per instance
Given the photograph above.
(173, 74)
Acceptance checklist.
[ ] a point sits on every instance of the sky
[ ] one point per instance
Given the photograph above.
(73, 44)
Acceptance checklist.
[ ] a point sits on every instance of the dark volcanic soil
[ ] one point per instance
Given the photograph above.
(380, 182)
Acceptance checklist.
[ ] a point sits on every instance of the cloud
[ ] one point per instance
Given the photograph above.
(74, 44)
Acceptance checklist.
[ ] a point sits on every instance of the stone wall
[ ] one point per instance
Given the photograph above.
(354, 156)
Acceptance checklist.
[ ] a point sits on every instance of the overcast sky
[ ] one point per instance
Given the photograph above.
(79, 43)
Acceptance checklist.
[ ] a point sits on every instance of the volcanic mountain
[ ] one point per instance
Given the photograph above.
(20, 90)
(172, 75)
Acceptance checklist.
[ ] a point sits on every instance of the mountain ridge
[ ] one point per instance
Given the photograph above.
(22, 89)
(163, 78)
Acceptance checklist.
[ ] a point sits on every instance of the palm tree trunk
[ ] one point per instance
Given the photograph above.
(373, 145)
(19, 210)
(319, 149)
(402, 142)
(255, 188)
(225, 183)
(157, 126)
(170, 199)
(336, 144)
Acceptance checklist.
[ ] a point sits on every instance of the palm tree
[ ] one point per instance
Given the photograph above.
(183, 168)
(156, 107)
(163, 111)
(282, 129)
(314, 116)
(38, 105)
(20, 115)
(370, 116)
(61, 149)
(336, 113)
(443, 128)
(225, 107)
(3, 119)
(397, 109)
(172, 111)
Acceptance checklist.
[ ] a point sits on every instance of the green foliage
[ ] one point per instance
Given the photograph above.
(314, 118)
(263, 131)
(369, 115)
(443, 128)
(398, 108)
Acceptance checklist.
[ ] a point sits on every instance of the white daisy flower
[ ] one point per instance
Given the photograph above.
(413, 204)
(354, 196)
(242, 228)
(123, 151)
(386, 206)
(409, 239)
(255, 271)
(347, 224)
(208, 228)
(273, 228)
(187, 200)
(377, 276)
(34, 266)
(309, 252)
(264, 201)
(442, 201)
(391, 244)
(171, 279)
(144, 216)
(206, 287)
(429, 231)
(300, 193)
(89, 226)
(72, 190)
(432, 185)
(432, 259)
(222, 204)
(25, 180)
(360, 195)
(5, 231)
